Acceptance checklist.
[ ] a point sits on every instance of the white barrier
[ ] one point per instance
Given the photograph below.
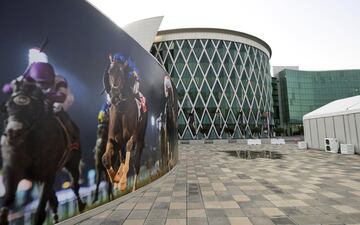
(277, 141)
(302, 145)
(347, 149)
(254, 141)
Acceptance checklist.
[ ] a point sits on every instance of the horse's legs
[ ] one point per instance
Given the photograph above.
(54, 203)
(75, 175)
(11, 180)
(45, 195)
(139, 148)
(109, 190)
(99, 169)
(125, 168)
(107, 159)
(109, 150)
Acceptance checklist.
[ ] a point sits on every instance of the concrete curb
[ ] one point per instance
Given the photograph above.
(100, 209)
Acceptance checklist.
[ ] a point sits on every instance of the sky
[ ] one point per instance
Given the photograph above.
(311, 34)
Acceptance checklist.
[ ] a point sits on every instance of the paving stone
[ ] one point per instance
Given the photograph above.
(282, 221)
(218, 221)
(261, 221)
(134, 222)
(176, 222)
(155, 222)
(234, 212)
(196, 213)
(157, 213)
(240, 220)
(215, 213)
(197, 221)
(138, 214)
(176, 214)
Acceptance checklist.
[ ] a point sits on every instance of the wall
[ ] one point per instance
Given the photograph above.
(80, 41)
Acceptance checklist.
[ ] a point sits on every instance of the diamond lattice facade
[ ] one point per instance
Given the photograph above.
(222, 78)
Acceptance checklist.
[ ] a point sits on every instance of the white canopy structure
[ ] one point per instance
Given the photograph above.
(339, 119)
(144, 31)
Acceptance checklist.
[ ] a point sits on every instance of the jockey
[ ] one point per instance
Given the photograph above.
(43, 75)
(133, 79)
(55, 89)
(167, 85)
(168, 89)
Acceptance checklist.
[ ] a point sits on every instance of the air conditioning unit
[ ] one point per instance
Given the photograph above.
(347, 149)
(302, 145)
(331, 145)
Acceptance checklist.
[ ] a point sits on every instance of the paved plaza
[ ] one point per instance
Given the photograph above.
(212, 185)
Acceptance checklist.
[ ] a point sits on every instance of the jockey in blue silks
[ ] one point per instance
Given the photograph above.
(133, 79)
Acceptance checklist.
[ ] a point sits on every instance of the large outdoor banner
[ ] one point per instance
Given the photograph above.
(79, 94)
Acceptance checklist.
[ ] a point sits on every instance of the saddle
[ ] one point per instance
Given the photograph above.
(140, 101)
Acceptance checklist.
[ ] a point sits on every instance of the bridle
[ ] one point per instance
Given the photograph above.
(20, 100)
(117, 93)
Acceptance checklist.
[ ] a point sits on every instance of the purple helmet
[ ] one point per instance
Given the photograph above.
(42, 73)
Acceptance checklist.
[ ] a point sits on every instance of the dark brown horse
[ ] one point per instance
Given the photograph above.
(127, 125)
(35, 146)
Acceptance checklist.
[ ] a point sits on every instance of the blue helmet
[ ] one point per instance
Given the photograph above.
(118, 57)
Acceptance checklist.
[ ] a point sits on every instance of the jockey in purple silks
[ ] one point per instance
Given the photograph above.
(55, 89)
(43, 75)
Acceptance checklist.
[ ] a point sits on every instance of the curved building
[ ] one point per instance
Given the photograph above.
(223, 81)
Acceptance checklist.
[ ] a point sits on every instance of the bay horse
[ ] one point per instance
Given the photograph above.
(127, 125)
(34, 146)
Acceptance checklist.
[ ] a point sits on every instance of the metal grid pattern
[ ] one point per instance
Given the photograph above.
(225, 85)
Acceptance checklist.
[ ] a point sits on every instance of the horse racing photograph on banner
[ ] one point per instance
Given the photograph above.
(89, 114)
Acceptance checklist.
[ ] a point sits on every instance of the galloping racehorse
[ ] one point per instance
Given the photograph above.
(35, 146)
(127, 125)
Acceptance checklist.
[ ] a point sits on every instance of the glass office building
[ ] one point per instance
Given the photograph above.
(222, 78)
(304, 91)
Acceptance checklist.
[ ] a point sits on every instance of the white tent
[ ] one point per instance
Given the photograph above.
(339, 119)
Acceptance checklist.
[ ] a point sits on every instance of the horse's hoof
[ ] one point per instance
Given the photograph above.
(118, 186)
(81, 206)
(4, 216)
(123, 184)
(56, 218)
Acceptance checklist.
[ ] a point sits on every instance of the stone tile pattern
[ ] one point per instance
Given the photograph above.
(209, 186)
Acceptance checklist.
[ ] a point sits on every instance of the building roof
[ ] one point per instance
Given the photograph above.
(213, 33)
(335, 108)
